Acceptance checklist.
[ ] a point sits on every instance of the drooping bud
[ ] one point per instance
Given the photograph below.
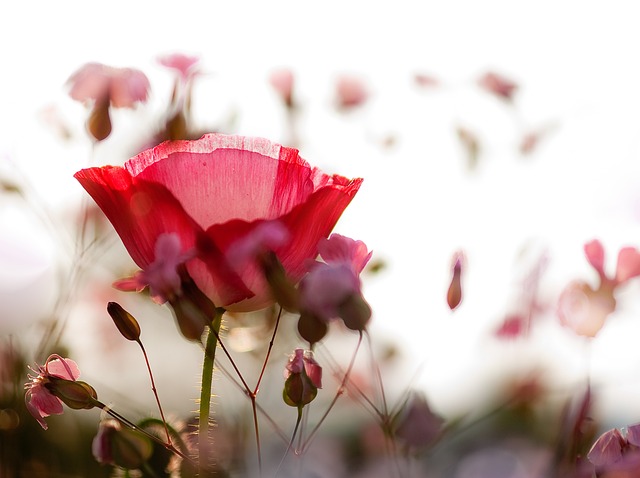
(99, 122)
(311, 328)
(355, 312)
(126, 323)
(123, 447)
(192, 309)
(454, 293)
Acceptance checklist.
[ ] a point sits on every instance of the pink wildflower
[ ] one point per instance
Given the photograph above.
(283, 81)
(332, 288)
(498, 85)
(584, 308)
(350, 92)
(185, 65)
(40, 400)
(121, 87)
(105, 87)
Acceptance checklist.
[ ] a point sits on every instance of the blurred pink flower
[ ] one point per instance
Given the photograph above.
(498, 85)
(39, 400)
(350, 92)
(584, 308)
(121, 87)
(418, 426)
(426, 81)
(105, 87)
(185, 65)
(213, 192)
(332, 288)
(282, 81)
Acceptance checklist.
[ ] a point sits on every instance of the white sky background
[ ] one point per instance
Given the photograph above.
(575, 62)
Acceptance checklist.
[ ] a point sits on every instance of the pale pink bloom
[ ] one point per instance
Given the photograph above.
(585, 310)
(350, 92)
(282, 81)
(185, 65)
(161, 276)
(121, 87)
(302, 360)
(39, 400)
(498, 85)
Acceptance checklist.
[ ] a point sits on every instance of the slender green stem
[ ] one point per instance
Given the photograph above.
(293, 437)
(205, 393)
(155, 391)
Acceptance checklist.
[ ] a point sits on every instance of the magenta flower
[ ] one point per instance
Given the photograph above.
(209, 194)
(333, 288)
(40, 400)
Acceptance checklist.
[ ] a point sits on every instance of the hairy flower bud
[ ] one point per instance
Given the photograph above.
(303, 379)
(123, 447)
(126, 323)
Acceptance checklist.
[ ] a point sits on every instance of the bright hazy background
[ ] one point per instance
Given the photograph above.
(575, 63)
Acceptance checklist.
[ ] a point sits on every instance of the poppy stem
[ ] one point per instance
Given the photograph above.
(205, 393)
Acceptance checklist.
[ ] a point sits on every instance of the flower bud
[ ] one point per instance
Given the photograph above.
(303, 379)
(281, 287)
(76, 395)
(126, 323)
(311, 328)
(355, 312)
(123, 447)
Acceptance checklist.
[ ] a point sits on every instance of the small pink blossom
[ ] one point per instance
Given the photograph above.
(282, 81)
(161, 276)
(498, 85)
(121, 87)
(595, 255)
(512, 327)
(185, 65)
(425, 81)
(39, 400)
(616, 452)
(628, 265)
(350, 92)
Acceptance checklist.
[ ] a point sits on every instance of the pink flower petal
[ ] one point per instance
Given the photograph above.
(180, 62)
(607, 449)
(338, 249)
(628, 264)
(595, 255)
(68, 370)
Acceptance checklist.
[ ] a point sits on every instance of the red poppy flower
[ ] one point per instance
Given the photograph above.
(207, 195)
